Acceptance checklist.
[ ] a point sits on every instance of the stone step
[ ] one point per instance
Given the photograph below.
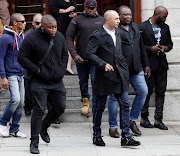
(72, 102)
(74, 115)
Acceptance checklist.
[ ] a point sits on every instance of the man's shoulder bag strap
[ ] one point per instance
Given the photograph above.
(47, 52)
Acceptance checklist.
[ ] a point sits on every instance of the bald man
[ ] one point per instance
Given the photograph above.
(46, 62)
(36, 23)
(157, 41)
(111, 77)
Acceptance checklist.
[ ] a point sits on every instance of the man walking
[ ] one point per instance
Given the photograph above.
(138, 64)
(157, 40)
(111, 77)
(46, 62)
(12, 75)
(83, 26)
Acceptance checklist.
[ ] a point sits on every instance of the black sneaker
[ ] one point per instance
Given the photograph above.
(98, 141)
(34, 148)
(129, 141)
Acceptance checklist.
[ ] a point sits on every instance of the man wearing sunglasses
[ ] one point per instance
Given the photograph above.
(36, 23)
(12, 77)
(83, 26)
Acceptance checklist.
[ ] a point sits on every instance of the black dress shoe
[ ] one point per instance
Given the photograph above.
(145, 123)
(159, 124)
(134, 128)
(98, 141)
(34, 148)
(28, 112)
(129, 141)
(44, 135)
(113, 132)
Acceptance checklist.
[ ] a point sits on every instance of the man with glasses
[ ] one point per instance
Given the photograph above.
(12, 77)
(137, 60)
(36, 23)
(83, 26)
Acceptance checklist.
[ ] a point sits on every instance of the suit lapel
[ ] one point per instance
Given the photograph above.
(149, 27)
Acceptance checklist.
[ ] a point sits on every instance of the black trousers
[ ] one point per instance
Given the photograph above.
(157, 80)
(41, 92)
(28, 102)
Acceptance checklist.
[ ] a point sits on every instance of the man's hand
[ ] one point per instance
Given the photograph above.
(163, 49)
(156, 49)
(147, 72)
(78, 59)
(5, 83)
(108, 67)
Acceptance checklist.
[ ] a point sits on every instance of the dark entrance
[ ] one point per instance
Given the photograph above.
(30, 7)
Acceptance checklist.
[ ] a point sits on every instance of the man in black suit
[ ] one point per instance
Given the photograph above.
(157, 41)
(135, 54)
(111, 77)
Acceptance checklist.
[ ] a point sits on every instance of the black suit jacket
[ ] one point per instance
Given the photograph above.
(100, 51)
(134, 50)
(149, 40)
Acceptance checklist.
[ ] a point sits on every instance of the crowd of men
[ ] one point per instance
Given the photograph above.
(113, 50)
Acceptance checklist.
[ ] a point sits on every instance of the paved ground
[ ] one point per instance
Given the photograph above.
(75, 139)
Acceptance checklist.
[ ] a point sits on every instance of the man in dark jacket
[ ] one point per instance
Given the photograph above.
(137, 60)
(83, 26)
(111, 77)
(46, 76)
(157, 40)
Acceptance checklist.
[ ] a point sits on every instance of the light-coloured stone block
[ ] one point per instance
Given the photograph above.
(172, 106)
(168, 3)
(174, 55)
(146, 14)
(148, 4)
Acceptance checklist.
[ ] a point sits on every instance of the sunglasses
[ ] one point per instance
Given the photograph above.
(37, 23)
(23, 21)
(91, 8)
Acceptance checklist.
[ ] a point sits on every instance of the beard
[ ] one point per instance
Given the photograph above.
(159, 22)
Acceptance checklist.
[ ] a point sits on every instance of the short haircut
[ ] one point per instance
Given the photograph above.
(122, 7)
(36, 16)
(15, 17)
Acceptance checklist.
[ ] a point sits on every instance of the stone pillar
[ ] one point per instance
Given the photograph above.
(172, 99)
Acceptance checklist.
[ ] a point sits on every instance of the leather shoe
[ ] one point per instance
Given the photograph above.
(129, 141)
(34, 148)
(145, 123)
(98, 141)
(44, 135)
(134, 128)
(159, 124)
(113, 132)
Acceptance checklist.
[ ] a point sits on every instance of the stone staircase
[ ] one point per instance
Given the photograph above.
(72, 112)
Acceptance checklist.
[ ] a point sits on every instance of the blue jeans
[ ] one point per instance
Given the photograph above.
(139, 84)
(84, 69)
(124, 103)
(14, 107)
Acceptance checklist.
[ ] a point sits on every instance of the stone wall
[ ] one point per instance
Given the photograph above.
(172, 100)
